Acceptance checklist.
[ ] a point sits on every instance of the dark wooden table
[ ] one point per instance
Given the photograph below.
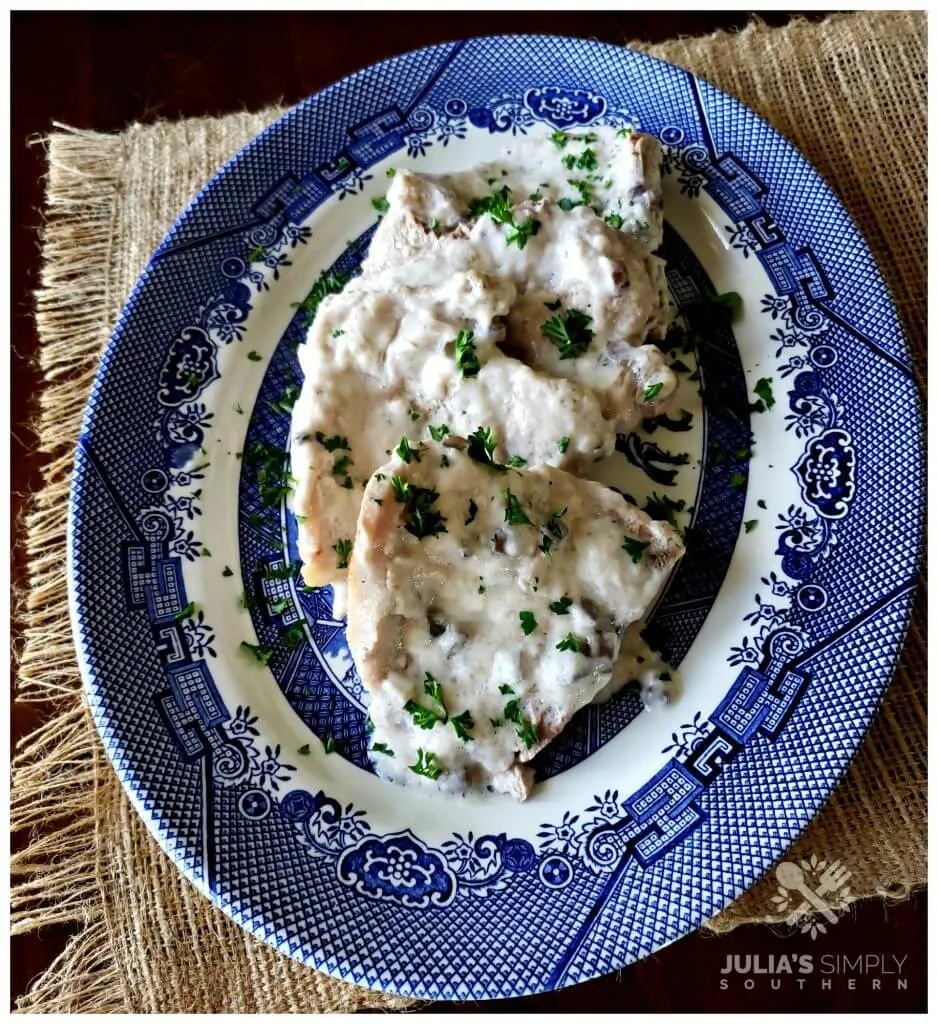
(102, 71)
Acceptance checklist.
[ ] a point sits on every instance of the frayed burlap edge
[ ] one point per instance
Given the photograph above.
(64, 792)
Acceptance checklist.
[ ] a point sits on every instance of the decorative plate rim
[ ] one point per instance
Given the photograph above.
(116, 745)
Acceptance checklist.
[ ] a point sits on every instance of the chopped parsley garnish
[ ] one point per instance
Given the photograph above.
(255, 357)
(518, 234)
(424, 718)
(763, 389)
(514, 513)
(432, 688)
(737, 479)
(285, 572)
(390, 172)
(304, 750)
(342, 549)
(526, 729)
(422, 519)
(554, 530)
(495, 723)
(337, 332)
(473, 509)
(750, 525)
(467, 361)
(528, 622)
(570, 332)
(481, 447)
(587, 161)
(382, 748)
(426, 764)
(185, 613)
(562, 606)
(516, 462)
(553, 306)
(614, 221)
(279, 606)
(413, 414)
(293, 636)
(563, 444)
(559, 139)
(635, 549)
(585, 190)
(227, 572)
(333, 443)
(328, 284)
(506, 689)
(497, 206)
(261, 653)
(205, 553)
(569, 160)
(381, 205)
(330, 746)
(761, 503)
(572, 642)
(567, 205)
(652, 391)
(463, 724)
(342, 464)
(624, 133)
(405, 452)
(663, 507)
(438, 433)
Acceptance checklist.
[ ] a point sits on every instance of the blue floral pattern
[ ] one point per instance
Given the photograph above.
(595, 861)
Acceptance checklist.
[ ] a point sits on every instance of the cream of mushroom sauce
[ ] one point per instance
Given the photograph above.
(518, 297)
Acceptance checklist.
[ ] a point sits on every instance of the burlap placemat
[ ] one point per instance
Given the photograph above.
(850, 93)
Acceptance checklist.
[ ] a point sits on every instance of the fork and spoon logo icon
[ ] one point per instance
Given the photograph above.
(826, 879)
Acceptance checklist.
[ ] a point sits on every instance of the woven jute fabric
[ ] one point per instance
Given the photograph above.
(850, 94)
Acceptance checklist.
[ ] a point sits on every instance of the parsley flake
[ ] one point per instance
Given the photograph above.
(342, 549)
(463, 724)
(382, 748)
(559, 139)
(467, 360)
(381, 205)
(426, 764)
(185, 613)
(614, 221)
(635, 549)
(763, 389)
(750, 525)
(514, 512)
(333, 443)
(652, 391)
(261, 653)
(572, 642)
(481, 447)
(528, 622)
(405, 452)
(255, 357)
(561, 606)
(563, 444)
(570, 332)
(438, 433)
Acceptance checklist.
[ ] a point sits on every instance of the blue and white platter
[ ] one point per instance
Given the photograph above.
(804, 514)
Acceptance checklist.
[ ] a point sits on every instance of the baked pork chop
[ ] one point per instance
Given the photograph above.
(399, 352)
(487, 606)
